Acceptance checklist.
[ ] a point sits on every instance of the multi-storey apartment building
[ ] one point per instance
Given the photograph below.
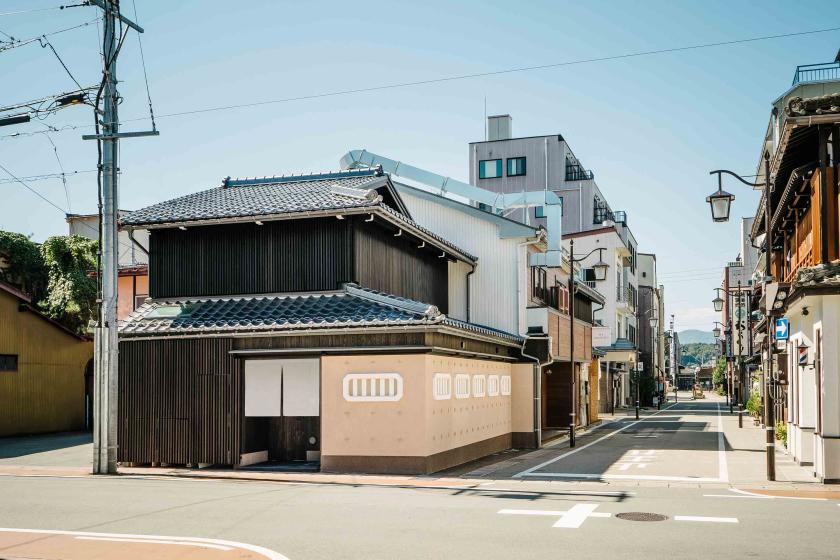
(506, 164)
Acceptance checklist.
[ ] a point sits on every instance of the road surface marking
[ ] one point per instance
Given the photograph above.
(593, 476)
(530, 472)
(155, 541)
(748, 494)
(573, 518)
(705, 519)
(270, 554)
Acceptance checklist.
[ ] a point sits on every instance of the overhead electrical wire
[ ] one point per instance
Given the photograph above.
(46, 43)
(23, 42)
(62, 7)
(494, 73)
(145, 74)
(63, 175)
(48, 176)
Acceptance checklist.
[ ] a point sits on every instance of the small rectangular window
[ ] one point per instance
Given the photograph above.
(539, 212)
(489, 168)
(515, 166)
(8, 362)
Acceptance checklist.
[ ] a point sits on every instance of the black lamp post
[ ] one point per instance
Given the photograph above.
(720, 203)
(600, 271)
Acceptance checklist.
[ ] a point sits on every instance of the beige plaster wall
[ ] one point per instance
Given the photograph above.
(417, 425)
(374, 428)
(454, 422)
(522, 397)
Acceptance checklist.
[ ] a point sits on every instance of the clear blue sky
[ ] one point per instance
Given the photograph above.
(651, 128)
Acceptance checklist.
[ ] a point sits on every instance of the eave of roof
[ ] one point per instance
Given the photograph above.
(353, 309)
(507, 227)
(26, 302)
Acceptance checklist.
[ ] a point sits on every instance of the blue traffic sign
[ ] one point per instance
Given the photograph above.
(782, 328)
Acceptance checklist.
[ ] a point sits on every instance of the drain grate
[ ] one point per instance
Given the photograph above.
(641, 516)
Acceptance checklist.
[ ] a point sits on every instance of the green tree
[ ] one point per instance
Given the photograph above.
(71, 290)
(22, 265)
(719, 375)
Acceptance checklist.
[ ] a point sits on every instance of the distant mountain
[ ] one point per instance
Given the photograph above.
(693, 336)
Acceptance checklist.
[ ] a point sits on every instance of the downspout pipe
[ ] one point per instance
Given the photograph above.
(470, 273)
(537, 384)
(137, 243)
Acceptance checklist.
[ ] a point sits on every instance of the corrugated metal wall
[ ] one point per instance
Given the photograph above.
(494, 283)
(180, 401)
(47, 392)
(283, 256)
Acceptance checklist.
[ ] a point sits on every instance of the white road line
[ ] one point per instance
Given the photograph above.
(270, 554)
(723, 470)
(573, 518)
(589, 476)
(528, 472)
(705, 519)
(747, 494)
(155, 541)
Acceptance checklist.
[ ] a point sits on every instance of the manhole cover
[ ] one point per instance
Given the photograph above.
(641, 516)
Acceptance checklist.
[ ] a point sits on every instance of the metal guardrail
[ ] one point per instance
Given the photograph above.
(816, 72)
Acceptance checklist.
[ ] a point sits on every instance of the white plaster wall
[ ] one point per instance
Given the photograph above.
(494, 284)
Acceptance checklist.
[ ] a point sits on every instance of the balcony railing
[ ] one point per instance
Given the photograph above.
(816, 72)
(801, 248)
(576, 172)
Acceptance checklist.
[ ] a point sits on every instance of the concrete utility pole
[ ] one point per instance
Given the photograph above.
(106, 354)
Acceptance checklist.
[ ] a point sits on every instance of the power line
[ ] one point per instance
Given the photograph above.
(33, 191)
(449, 78)
(47, 176)
(23, 42)
(493, 73)
(63, 177)
(43, 9)
(145, 74)
(46, 43)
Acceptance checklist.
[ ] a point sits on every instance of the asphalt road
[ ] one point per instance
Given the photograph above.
(501, 517)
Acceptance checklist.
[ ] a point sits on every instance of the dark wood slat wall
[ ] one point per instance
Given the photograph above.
(396, 266)
(284, 256)
(180, 402)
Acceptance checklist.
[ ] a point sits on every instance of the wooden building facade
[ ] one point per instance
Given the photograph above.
(45, 371)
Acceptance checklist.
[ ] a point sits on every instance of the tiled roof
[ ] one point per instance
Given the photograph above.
(353, 307)
(274, 196)
(265, 197)
(827, 274)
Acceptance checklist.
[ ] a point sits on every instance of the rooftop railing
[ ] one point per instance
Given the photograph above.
(816, 72)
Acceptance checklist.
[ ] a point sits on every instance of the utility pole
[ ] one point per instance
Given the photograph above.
(769, 420)
(106, 353)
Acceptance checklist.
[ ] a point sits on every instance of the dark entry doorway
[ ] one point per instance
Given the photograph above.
(282, 408)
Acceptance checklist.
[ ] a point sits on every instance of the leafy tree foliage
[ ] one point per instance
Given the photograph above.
(697, 353)
(21, 264)
(71, 292)
(719, 376)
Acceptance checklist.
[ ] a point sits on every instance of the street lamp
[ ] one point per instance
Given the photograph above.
(718, 303)
(720, 202)
(600, 271)
(653, 323)
(716, 330)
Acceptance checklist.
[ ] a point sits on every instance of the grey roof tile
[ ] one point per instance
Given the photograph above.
(264, 197)
(354, 307)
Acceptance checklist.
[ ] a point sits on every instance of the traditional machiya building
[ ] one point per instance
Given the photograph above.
(803, 139)
(311, 318)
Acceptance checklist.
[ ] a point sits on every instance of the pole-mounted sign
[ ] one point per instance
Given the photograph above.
(782, 328)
